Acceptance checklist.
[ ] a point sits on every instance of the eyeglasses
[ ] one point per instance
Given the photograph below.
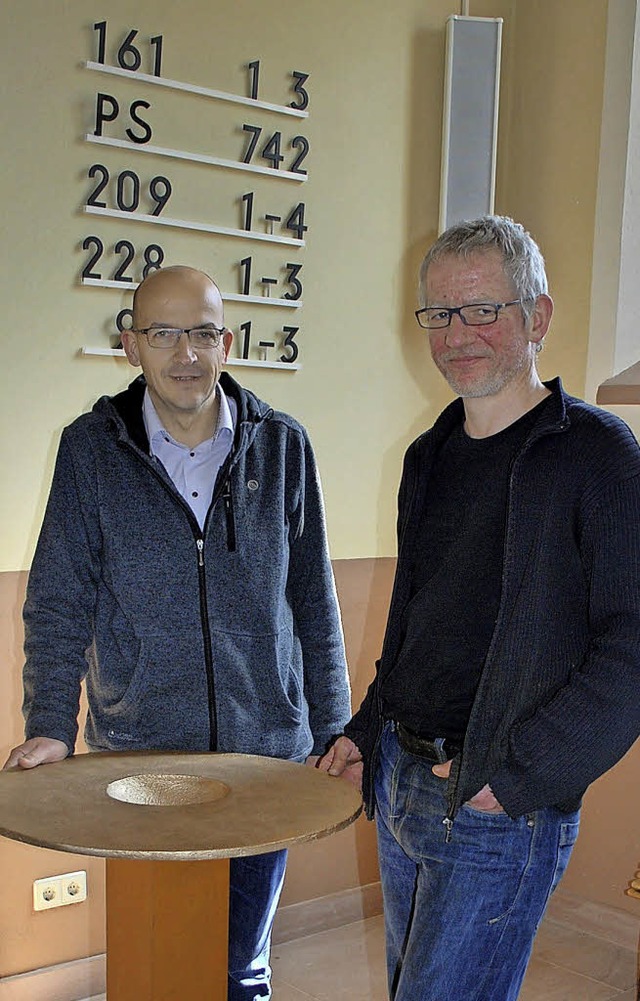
(478, 314)
(168, 337)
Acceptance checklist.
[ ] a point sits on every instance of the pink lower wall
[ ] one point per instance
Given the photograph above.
(30, 940)
(605, 859)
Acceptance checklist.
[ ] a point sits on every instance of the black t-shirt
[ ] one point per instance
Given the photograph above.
(456, 580)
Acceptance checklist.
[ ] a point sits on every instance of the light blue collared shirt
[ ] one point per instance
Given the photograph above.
(193, 470)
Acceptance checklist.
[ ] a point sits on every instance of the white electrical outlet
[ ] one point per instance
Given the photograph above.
(74, 887)
(46, 893)
(56, 891)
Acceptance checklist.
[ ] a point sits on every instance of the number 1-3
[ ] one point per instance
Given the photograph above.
(302, 95)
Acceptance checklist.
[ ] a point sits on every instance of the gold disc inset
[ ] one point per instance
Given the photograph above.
(166, 790)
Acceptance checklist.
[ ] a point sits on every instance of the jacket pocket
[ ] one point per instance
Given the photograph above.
(260, 698)
(120, 697)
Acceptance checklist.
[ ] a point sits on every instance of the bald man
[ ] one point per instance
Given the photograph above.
(182, 569)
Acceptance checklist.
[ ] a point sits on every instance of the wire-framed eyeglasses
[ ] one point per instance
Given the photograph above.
(476, 314)
(167, 337)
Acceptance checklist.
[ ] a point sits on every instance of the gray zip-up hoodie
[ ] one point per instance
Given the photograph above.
(223, 639)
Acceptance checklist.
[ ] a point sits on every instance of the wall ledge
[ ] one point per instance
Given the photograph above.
(81, 978)
(623, 388)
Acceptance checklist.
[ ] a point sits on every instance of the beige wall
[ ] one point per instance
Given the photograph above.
(366, 387)
(375, 110)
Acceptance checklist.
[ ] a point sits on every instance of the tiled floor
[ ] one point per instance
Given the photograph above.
(347, 964)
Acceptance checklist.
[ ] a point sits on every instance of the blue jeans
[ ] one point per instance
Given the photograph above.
(460, 918)
(255, 883)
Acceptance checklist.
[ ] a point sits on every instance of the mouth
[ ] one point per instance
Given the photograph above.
(463, 359)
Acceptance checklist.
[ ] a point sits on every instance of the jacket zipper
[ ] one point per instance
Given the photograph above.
(204, 617)
(208, 658)
(237, 448)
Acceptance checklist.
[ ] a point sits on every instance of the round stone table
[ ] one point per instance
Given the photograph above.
(167, 823)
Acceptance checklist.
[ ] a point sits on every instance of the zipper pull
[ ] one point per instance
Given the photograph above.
(228, 510)
(200, 545)
(448, 823)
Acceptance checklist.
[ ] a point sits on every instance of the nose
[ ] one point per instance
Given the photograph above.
(184, 352)
(458, 333)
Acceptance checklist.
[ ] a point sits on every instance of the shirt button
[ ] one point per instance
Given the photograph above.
(192, 454)
(194, 493)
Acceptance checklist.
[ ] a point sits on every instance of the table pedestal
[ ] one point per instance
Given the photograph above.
(167, 930)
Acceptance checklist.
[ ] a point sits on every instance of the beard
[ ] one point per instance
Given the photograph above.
(495, 372)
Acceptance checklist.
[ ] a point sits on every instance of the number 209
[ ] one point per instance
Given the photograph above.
(128, 189)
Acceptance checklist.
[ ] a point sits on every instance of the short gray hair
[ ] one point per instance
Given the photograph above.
(522, 260)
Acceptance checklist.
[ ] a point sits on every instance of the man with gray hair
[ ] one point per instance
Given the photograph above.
(510, 667)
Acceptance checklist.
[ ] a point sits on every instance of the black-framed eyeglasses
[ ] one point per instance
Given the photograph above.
(167, 337)
(476, 314)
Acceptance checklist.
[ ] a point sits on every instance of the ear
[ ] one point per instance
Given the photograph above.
(541, 318)
(227, 341)
(130, 345)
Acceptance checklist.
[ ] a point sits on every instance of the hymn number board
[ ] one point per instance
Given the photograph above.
(278, 153)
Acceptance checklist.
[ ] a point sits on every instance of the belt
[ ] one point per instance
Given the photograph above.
(440, 749)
